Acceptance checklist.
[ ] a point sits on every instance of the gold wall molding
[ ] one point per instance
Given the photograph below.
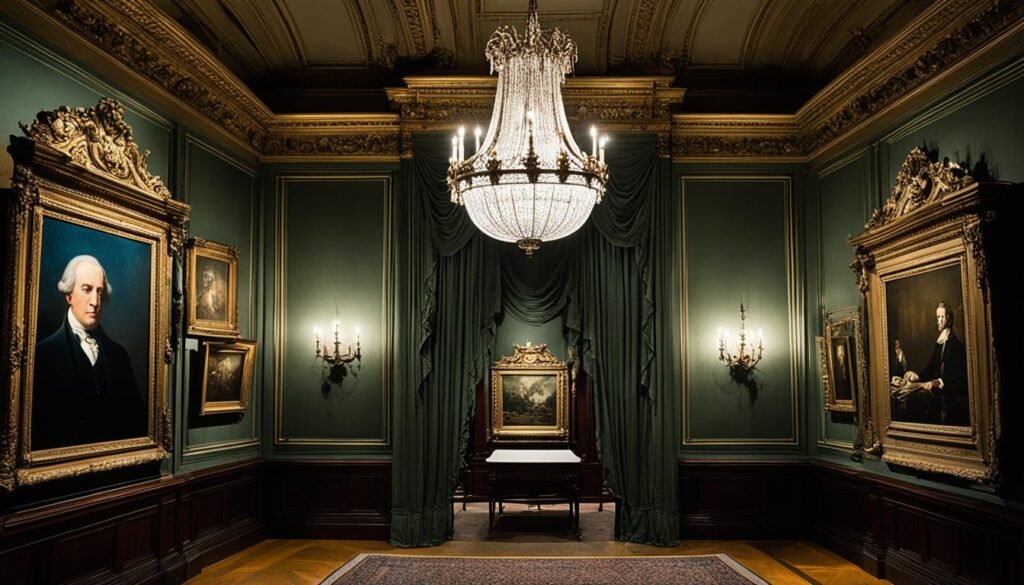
(949, 35)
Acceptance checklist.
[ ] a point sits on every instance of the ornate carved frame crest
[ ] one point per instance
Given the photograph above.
(81, 168)
(532, 373)
(939, 230)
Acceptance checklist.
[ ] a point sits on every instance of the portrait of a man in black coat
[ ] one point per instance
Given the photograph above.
(84, 389)
(937, 394)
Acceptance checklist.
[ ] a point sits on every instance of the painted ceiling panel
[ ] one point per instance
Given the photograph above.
(678, 30)
(714, 48)
(721, 28)
(329, 32)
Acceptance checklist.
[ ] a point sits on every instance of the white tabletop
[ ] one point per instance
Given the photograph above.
(533, 456)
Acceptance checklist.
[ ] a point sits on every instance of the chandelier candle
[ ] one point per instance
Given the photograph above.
(528, 181)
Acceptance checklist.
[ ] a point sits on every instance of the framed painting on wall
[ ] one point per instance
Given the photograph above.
(844, 374)
(227, 376)
(529, 396)
(212, 277)
(93, 237)
(926, 266)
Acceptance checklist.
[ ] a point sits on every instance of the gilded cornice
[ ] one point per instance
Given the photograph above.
(904, 65)
(713, 136)
(146, 41)
(443, 102)
(140, 37)
(337, 136)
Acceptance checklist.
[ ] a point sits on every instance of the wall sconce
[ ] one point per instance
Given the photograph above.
(337, 361)
(743, 361)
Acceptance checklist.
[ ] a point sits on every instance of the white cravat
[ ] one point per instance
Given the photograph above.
(90, 346)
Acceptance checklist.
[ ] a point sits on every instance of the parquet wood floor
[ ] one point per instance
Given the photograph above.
(289, 562)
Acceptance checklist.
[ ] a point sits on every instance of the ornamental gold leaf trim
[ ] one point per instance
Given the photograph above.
(917, 462)
(99, 139)
(529, 356)
(37, 475)
(919, 182)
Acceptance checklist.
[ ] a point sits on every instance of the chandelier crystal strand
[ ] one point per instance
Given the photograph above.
(528, 181)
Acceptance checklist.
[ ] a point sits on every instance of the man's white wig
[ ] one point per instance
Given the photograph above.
(67, 281)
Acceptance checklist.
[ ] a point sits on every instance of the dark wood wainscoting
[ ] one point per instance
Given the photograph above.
(159, 531)
(743, 499)
(329, 499)
(908, 534)
(914, 535)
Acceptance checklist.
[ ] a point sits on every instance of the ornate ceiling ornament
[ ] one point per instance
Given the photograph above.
(99, 139)
(919, 182)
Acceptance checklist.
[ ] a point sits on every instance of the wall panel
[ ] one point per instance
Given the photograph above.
(739, 244)
(332, 250)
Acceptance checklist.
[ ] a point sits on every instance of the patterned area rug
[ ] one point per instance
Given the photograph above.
(409, 570)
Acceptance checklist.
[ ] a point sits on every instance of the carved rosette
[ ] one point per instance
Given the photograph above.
(919, 182)
(863, 265)
(529, 356)
(99, 139)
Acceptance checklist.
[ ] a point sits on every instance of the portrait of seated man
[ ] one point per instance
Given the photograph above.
(84, 389)
(936, 394)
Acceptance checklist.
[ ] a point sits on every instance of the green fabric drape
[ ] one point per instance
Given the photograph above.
(448, 301)
(535, 290)
(621, 319)
(611, 282)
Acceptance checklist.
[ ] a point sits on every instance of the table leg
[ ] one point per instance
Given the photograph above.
(490, 517)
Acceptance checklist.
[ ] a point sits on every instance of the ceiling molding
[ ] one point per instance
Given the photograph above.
(942, 46)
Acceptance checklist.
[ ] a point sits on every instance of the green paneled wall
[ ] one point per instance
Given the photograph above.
(332, 262)
(225, 209)
(37, 79)
(845, 202)
(738, 245)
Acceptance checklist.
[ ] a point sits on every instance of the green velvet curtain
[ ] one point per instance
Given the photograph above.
(621, 317)
(610, 282)
(449, 297)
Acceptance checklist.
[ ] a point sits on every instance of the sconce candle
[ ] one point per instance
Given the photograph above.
(746, 356)
(338, 361)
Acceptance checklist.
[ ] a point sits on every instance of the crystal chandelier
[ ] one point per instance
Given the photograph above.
(528, 182)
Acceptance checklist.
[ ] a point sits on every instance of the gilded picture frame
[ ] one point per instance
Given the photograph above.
(212, 279)
(227, 376)
(92, 239)
(924, 266)
(844, 375)
(529, 396)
